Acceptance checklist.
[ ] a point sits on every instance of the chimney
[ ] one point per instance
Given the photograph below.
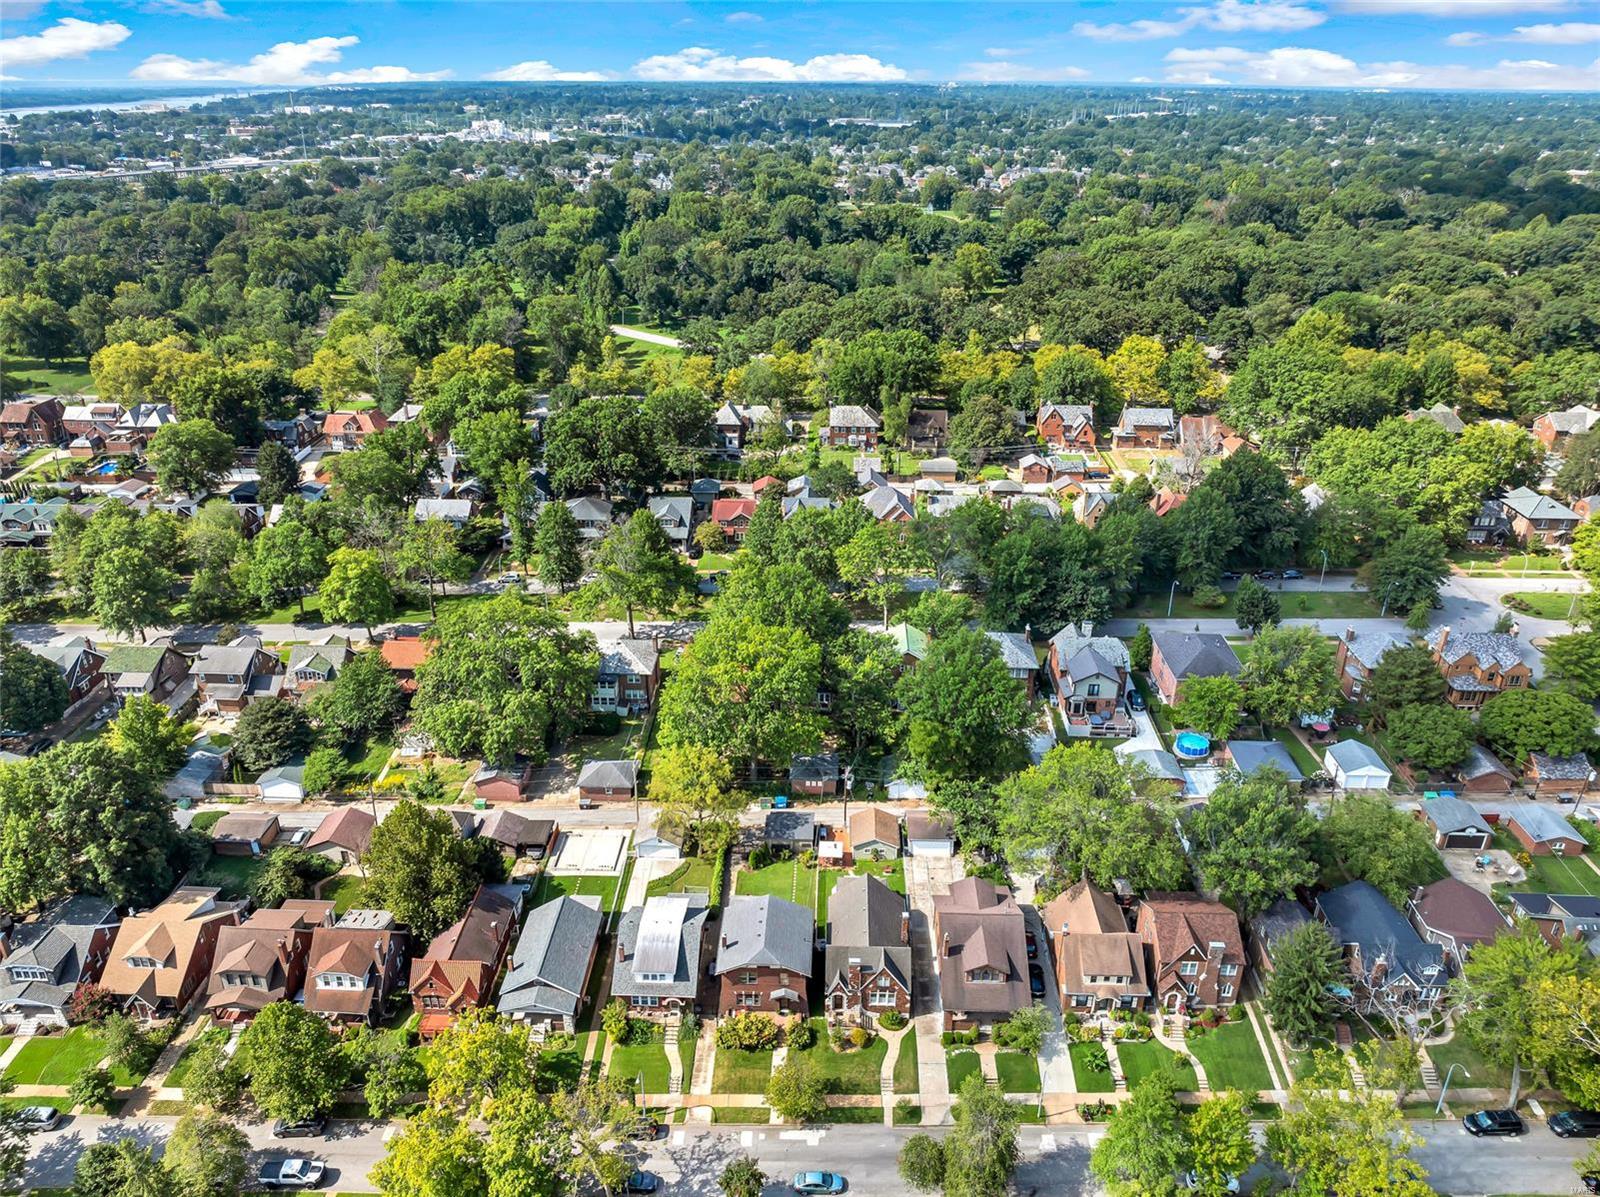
(1350, 633)
(724, 941)
(905, 926)
(1444, 634)
(944, 944)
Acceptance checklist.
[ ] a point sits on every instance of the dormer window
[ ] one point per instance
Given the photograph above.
(142, 962)
(29, 972)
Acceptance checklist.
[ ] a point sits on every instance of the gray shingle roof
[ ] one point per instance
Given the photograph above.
(1562, 768)
(550, 962)
(1541, 822)
(822, 766)
(849, 415)
(1369, 647)
(1499, 647)
(609, 775)
(662, 936)
(765, 932)
(1481, 762)
(1016, 650)
(1146, 417)
(789, 827)
(628, 656)
(57, 941)
(1196, 654)
(1359, 914)
(885, 500)
(1157, 762)
(1068, 645)
(1351, 755)
(1452, 814)
(1251, 755)
(1530, 504)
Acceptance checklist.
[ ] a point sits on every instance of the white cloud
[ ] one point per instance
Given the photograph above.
(696, 64)
(210, 10)
(1005, 52)
(1466, 39)
(1564, 33)
(285, 63)
(67, 38)
(743, 18)
(540, 71)
(1291, 66)
(1016, 72)
(1453, 8)
(1224, 16)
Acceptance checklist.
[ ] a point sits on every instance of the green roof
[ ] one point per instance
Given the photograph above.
(912, 642)
(133, 658)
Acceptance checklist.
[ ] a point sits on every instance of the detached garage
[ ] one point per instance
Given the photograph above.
(1456, 824)
(928, 835)
(1356, 766)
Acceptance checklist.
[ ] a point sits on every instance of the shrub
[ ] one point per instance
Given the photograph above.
(91, 1004)
(1095, 1111)
(808, 859)
(1096, 1059)
(762, 855)
(615, 1020)
(688, 1026)
(1208, 596)
(94, 1089)
(1235, 1013)
(602, 723)
(748, 1031)
(891, 1020)
(800, 1036)
(1088, 1033)
(860, 1037)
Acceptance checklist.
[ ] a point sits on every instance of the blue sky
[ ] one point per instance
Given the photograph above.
(1541, 44)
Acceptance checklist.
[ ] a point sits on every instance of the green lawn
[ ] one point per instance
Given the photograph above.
(1139, 1060)
(61, 1059)
(345, 891)
(854, 1071)
(1483, 1073)
(905, 1065)
(687, 1045)
(1307, 763)
(741, 1071)
(1089, 1080)
(891, 872)
(1231, 1057)
(1018, 1073)
(621, 745)
(574, 886)
(234, 874)
(710, 563)
(65, 377)
(1540, 604)
(648, 1061)
(1552, 874)
(1295, 604)
(367, 759)
(697, 873)
(212, 1034)
(783, 879)
(747, 1115)
(207, 819)
(958, 1066)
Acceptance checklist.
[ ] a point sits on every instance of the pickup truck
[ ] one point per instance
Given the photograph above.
(292, 1173)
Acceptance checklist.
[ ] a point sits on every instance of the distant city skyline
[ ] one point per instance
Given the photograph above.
(1476, 44)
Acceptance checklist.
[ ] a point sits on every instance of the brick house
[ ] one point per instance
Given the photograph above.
(1456, 916)
(1484, 773)
(353, 967)
(460, 966)
(347, 430)
(1551, 774)
(243, 833)
(49, 956)
(1178, 656)
(660, 952)
(152, 669)
(979, 936)
(1478, 665)
(490, 784)
(733, 516)
(1209, 435)
(1091, 676)
(161, 958)
(80, 664)
(1558, 916)
(547, 982)
(1358, 655)
(1555, 428)
(889, 505)
(1539, 519)
(1145, 428)
(1196, 951)
(927, 429)
(608, 781)
(1542, 831)
(628, 678)
(263, 959)
(343, 835)
(1389, 963)
(520, 835)
(735, 422)
(80, 419)
(1066, 425)
(764, 956)
(815, 775)
(33, 421)
(852, 427)
(866, 968)
(1099, 961)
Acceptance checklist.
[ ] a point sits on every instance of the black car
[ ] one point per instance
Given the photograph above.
(1230, 575)
(1266, 575)
(643, 1182)
(1494, 1122)
(1036, 980)
(1575, 1124)
(1591, 1182)
(1135, 700)
(305, 1128)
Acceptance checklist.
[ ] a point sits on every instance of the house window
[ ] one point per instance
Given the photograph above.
(432, 1002)
(745, 998)
(1230, 970)
(29, 974)
(747, 978)
(646, 1000)
(1093, 689)
(143, 962)
(882, 997)
(1189, 968)
(1225, 991)
(655, 977)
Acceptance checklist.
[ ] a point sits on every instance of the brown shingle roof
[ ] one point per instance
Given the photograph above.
(171, 933)
(1455, 908)
(981, 927)
(875, 823)
(349, 828)
(1181, 921)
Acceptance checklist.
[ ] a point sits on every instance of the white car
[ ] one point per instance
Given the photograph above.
(292, 1173)
(1191, 1180)
(39, 1118)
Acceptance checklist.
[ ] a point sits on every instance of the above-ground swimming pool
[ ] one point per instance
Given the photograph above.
(1191, 745)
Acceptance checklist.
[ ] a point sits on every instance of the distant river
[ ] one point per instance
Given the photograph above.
(125, 105)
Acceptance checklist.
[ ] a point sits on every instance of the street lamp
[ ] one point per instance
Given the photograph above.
(1446, 1087)
(1386, 591)
(1172, 595)
(1323, 576)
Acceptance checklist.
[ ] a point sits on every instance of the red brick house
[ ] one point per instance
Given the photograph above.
(628, 678)
(1550, 774)
(1542, 831)
(1177, 656)
(733, 516)
(852, 427)
(608, 781)
(1196, 951)
(458, 970)
(764, 957)
(35, 421)
(263, 959)
(866, 968)
(1358, 655)
(1478, 665)
(1555, 428)
(981, 940)
(353, 967)
(1145, 428)
(1099, 961)
(502, 785)
(1066, 425)
(161, 958)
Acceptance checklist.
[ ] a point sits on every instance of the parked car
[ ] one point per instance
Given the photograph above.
(1230, 575)
(1033, 945)
(1290, 574)
(1191, 1180)
(509, 579)
(1591, 1182)
(817, 1182)
(1575, 1124)
(643, 1182)
(1135, 700)
(1266, 575)
(646, 1130)
(1035, 980)
(1494, 1122)
(294, 1173)
(305, 1128)
(39, 1118)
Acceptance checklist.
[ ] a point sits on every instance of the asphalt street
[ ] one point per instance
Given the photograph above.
(689, 1160)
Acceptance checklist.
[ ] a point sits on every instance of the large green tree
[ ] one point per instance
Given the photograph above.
(1377, 843)
(1288, 672)
(1433, 735)
(638, 568)
(420, 868)
(1403, 677)
(1306, 965)
(1251, 840)
(1517, 722)
(356, 589)
(966, 716)
(191, 456)
(1144, 1147)
(33, 692)
(293, 1061)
